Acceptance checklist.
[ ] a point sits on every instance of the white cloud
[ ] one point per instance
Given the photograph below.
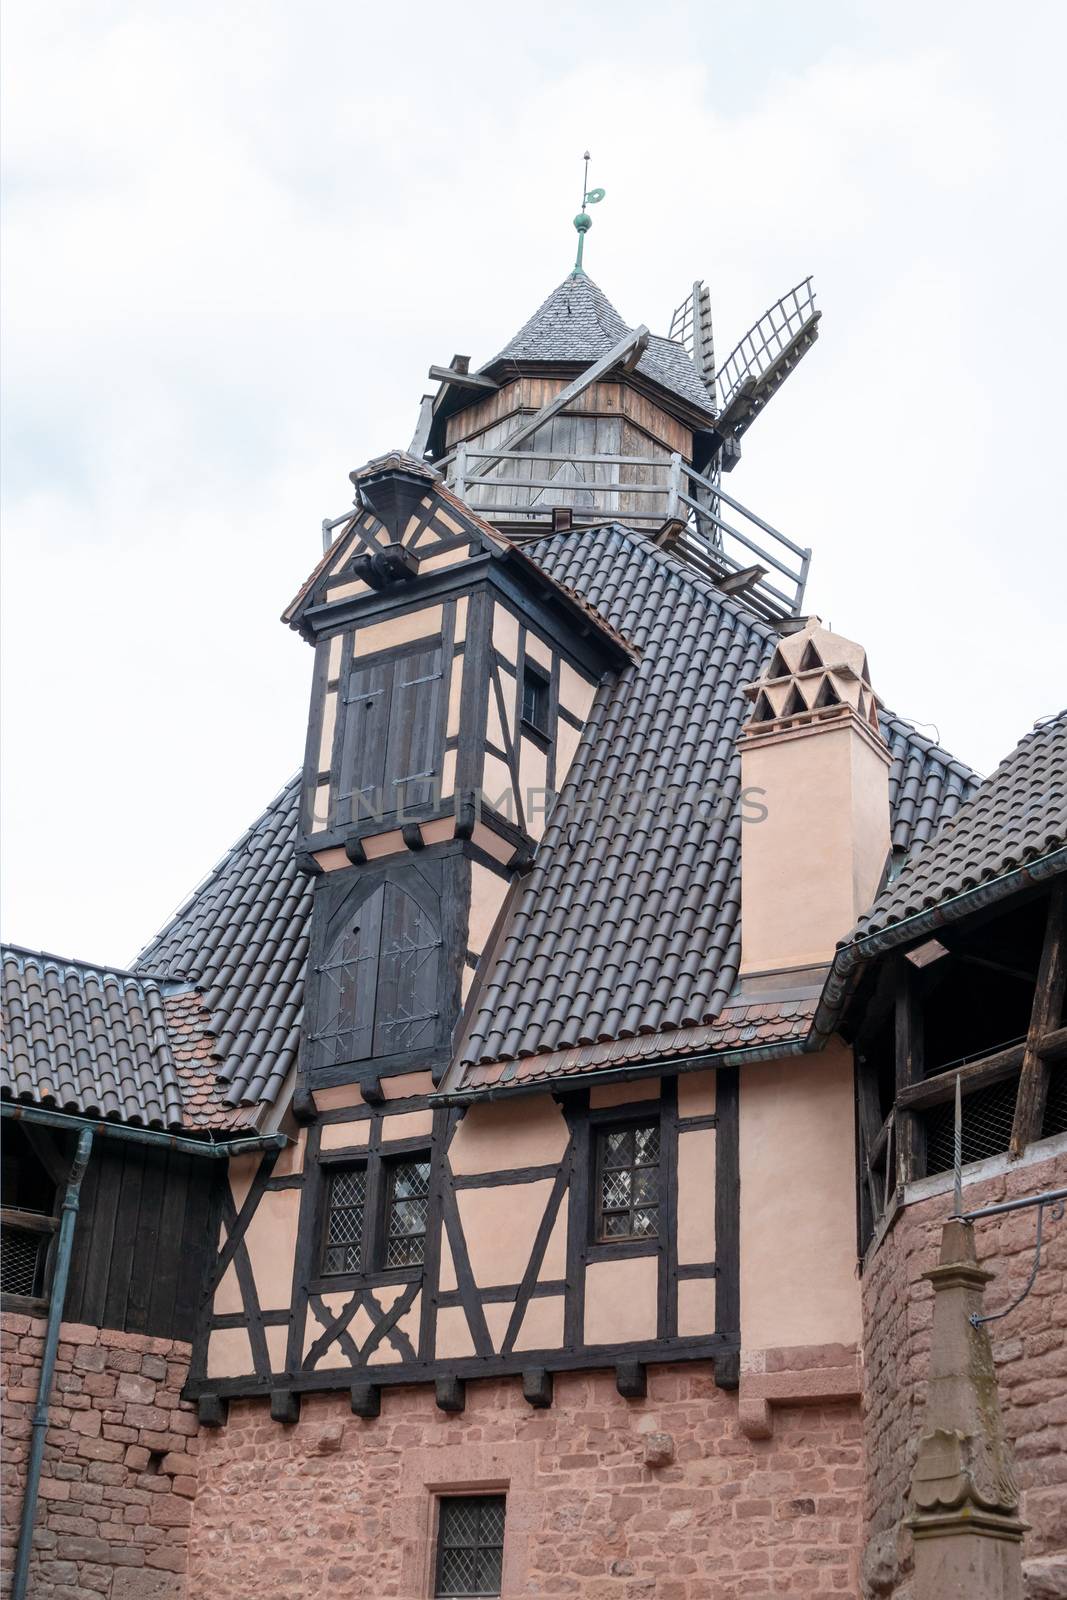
(237, 234)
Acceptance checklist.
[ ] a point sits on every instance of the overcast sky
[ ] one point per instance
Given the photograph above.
(236, 235)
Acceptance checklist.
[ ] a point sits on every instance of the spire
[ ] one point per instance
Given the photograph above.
(583, 221)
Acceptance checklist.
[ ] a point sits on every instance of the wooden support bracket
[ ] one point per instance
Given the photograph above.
(450, 1393)
(631, 1379)
(284, 1405)
(366, 1399)
(728, 1369)
(537, 1387)
(212, 1410)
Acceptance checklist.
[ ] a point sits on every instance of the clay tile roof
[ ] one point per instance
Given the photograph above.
(625, 938)
(87, 1040)
(628, 926)
(579, 323)
(1018, 815)
(241, 942)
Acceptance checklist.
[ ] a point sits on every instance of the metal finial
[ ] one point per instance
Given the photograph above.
(583, 221)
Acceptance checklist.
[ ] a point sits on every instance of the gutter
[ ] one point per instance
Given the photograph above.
(843, 972)
(625, 1074)
(39, 1425)
(220, 1150)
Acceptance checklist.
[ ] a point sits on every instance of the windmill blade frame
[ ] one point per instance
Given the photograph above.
(764, 357)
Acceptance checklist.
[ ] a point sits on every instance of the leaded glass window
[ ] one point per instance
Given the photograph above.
(470, 1546)
(347, 1201)
(406, 1210)
(628, 1182)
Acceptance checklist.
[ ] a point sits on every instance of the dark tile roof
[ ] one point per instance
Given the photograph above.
(741, 1025)
(241, 942)
(579, 323)
(87, 1040)
(1016, 816)
(926, 784)
(627, 928)
(629, 923)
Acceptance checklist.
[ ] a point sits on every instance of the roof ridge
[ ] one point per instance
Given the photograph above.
(53, 958)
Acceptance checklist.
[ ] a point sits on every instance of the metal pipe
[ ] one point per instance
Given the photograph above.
(48, 1363)
(221, 1150)
(1050, 1197)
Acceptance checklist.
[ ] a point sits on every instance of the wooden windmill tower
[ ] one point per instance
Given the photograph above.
(581, 419)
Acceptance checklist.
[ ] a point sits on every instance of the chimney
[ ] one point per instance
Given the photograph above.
(812, 758)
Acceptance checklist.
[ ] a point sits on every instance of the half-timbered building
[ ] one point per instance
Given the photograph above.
(507, 1137)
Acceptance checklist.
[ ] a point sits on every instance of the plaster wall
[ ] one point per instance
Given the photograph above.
(798, 1209)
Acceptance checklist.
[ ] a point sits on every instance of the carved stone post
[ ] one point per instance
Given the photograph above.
(965, 1520)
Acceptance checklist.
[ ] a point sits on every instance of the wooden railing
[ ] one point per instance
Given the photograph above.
(695, 516)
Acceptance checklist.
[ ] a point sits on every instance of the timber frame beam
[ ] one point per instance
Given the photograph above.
(1044, 1021)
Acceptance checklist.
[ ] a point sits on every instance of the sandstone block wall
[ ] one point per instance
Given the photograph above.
(1030, 1349)
(607, 1499)
(120, 1466)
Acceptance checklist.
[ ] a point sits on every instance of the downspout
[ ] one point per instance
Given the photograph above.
(85, 1129)
(48, 1362)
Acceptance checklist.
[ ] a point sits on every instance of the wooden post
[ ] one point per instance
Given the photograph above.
(1044, 1018)
(911, 1162)
(459, 470)
(674, 489)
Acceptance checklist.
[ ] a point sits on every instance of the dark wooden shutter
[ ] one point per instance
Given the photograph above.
(413, 755)
(367, 705)
(407, 999)
(344, 1022)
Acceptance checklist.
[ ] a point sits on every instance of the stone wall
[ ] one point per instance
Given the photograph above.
(1030, 1350)
(119, 1475)
(607, 1499)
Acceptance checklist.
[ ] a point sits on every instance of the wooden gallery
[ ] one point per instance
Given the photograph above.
(520, 1168)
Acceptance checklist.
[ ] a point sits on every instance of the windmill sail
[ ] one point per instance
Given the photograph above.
(760, 363)
(691, 327)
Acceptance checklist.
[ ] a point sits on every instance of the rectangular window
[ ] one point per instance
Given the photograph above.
(343, 1248)
(628, 1182)
(407, 1205)
(535, 692)
(470, 1546)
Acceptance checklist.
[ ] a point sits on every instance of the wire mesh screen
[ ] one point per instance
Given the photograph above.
(22, 1254)
(987, 1117)
(1055, 1120)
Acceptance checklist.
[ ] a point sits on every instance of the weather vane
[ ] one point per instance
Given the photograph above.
(583, 221)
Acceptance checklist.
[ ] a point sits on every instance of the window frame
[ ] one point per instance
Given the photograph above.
(332, 1170)
(376, 1163)
(440, 1593)
(16, 1218)
(389, 1165)
(536, 674)
(628, 1244)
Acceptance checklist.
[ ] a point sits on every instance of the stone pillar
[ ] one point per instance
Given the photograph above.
(965, 1521)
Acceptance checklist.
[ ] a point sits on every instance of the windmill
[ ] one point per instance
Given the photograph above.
(582, 419)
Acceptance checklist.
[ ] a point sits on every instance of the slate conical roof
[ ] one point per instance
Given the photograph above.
(579, 323)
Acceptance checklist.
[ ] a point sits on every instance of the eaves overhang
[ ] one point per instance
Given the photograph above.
(854, 954)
